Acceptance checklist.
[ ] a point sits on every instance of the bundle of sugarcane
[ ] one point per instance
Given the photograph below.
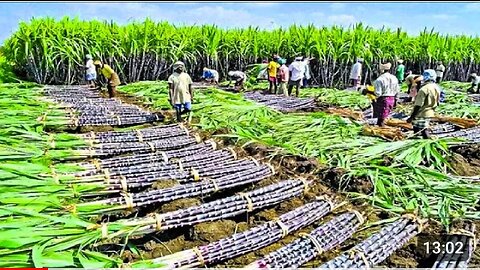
(203, 188)
(387, 133)
(443, 128)
(379, 246)
(313, 244)
(244, 242)
(282, 103)
(215, 210)
(138, 135)
(107, 120)
(471, 134)
(113, 149)
(461, 122)
(460, 245)
(346, 113)
(203, 151)
(123, 181)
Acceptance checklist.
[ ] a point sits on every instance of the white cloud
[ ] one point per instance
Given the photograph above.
(341, 19)
(338, 6)
(472, 7)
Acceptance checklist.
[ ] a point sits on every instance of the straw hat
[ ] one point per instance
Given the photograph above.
(97, 63)
(386, 66)
(178, 64)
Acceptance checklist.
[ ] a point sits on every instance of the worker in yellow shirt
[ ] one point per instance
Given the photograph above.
(272, 69)
(112, 78)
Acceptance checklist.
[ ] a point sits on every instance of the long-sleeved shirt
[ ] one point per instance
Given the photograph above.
(386, 85)
(356, 71)
(440, 70)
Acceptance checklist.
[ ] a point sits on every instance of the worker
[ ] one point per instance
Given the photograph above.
(180, 91)
(272, 74)
(306, 78)
(475, 79)
(413, 82)
(356, 73)
(297, 70)
(112, 78)
(400, 72)
(210, 75)
(90, 72)
(284, 77)
(440, 69)
(239, 77)
(386, 88)
(427, 100)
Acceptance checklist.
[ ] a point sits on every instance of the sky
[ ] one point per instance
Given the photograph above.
(445, 17)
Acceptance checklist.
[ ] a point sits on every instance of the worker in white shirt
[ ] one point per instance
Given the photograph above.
(90, 72)
(356, 73)
(239, 77)
(386, 88)
(297, 70)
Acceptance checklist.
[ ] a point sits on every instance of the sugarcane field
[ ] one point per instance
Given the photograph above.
(187, 135)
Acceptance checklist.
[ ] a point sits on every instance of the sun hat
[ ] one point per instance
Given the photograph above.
(88, 56)
(178, 64)
(97, 62)
(429, 75)
(386, 66)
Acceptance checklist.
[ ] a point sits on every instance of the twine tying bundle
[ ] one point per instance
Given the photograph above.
(316, 244)
(106, 172)
(197, 252)
(139, 135)
(158, 221)
(123, 182)
(362, 256)
(466, 233)
(128, 200)
(233, 152)
(249, 201)
(282, 226)
(195, 175)
(152, 147)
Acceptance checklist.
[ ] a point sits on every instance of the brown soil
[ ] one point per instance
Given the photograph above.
(466, 160)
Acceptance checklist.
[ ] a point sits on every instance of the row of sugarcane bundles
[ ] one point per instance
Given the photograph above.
(369, 253)
(197, 170)
(282, 103)
(86, 107)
